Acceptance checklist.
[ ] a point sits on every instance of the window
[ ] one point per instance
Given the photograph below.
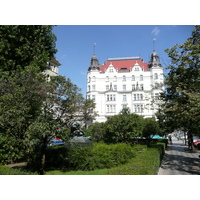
(133, 78)
(136, 68)
(115, 78)
(111, 108)
(93, 97)
(89, 80)
(93, 87)
(141, 86)
(107, 87)
(155, 76)
(107, 78)
(138, 97)
(157, 96)
(111, 97)
(141, 77)
(108, 108)
(138, 108)
(133, 87)
(115, 87)
(124, 106)
(124, 97)
(93, 78)
(108, 97)
(124, 78)
(110, 70)
(124, 87)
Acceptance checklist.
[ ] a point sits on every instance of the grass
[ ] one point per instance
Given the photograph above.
(62, 172)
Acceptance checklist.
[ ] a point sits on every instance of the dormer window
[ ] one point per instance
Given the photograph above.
(136, 68)
(111, 70)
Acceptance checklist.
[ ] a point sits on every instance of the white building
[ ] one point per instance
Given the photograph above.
(52, 66)
(125, 82)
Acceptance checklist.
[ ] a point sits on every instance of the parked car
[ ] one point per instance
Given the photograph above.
(196, 142)
(56, 142)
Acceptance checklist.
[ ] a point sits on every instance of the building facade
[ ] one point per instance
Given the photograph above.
(126, 82)
(53, 67)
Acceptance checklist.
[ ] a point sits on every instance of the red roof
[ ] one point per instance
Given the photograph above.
(120, 65)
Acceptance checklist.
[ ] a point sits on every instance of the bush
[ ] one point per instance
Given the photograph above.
(96, 131)
(100, 156)
(123, 128)
(56, 157)
(146, 163)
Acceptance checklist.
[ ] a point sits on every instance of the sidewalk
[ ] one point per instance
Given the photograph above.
(179, 160)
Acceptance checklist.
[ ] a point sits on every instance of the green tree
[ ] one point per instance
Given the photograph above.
(32, 112)
(123, 128)
(25, 45)
(58, 111)
(21, 98)
(182, 96)
(96, 131)
(88, 106)
(151, 128)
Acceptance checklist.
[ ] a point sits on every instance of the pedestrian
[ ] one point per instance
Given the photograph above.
(170, 139)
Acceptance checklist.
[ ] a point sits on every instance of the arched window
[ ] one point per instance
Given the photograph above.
(133, 78)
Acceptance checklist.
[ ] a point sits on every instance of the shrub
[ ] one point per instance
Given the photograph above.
(96, 131)
(100, 156)
(146, 163)
(56, 157)
(123, 128)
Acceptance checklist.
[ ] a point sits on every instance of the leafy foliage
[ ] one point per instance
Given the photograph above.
(123, 128)
(181, 109)
(25, 45)
(151, 128)
(96, 131)
(100, 156)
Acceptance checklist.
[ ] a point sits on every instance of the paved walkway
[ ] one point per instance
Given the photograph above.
(179, 160)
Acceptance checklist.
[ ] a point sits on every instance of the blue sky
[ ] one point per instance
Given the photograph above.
(75, 45)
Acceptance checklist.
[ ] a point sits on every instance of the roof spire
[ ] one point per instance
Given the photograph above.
(94, 49)
(154, 39)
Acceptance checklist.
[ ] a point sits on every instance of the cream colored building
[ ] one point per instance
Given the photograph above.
(125, 82)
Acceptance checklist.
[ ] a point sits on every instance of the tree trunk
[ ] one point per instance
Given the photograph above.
(42, 156)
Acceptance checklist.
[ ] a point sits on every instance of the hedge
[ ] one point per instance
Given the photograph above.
(146, 163)
(100, 156)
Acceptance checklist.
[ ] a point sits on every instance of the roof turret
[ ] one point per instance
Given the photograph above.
(94, 63)
(155, 61)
